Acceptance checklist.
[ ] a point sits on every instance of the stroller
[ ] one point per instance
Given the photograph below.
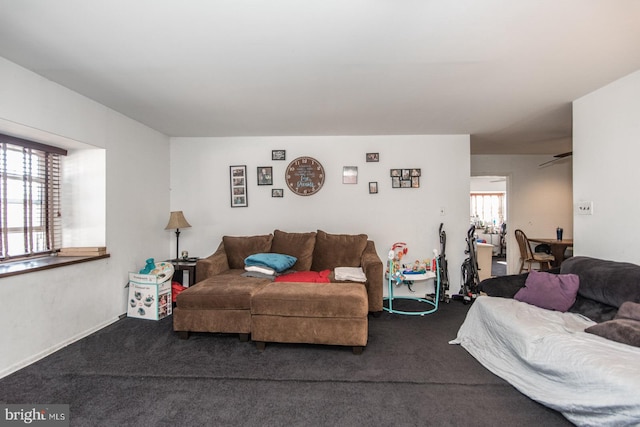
(470, 279)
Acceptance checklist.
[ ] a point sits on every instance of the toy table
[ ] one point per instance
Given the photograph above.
(433, 303)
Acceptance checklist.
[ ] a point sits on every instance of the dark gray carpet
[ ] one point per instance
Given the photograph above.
(498, 266)
(137, 372)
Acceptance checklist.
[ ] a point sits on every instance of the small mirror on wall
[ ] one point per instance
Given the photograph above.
(350, 175)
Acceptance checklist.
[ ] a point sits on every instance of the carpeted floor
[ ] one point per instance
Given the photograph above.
(498, 266)
(137, 372)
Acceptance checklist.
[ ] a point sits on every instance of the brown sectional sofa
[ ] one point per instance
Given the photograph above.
(224, 300)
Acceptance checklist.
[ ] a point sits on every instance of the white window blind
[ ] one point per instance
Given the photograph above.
(488, 208)
(29, 198)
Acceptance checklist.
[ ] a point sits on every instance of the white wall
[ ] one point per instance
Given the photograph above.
(539, 199)
(606, 136)
(45, 310)
(200, 188)
(488, 184)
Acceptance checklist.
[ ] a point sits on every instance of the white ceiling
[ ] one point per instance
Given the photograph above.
(504, 71)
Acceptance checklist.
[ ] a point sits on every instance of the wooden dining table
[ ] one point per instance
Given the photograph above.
(558, 247)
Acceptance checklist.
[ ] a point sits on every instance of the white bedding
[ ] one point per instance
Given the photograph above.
(547, 355)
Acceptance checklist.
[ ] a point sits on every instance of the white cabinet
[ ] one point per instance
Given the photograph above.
(485, 252)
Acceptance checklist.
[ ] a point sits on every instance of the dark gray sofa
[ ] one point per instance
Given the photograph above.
(604, 285)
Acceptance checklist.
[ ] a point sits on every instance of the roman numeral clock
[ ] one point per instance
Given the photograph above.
(304, 176)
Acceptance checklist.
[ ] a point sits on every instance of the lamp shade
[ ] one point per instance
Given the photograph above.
(177, 220)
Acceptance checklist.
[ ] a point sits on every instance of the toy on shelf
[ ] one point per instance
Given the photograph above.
(398, 250)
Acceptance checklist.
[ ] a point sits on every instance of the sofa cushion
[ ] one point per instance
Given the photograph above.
(608, 282)
(551, 291)
(340, 300)
(226, 291)
(306, 276)
(626, 331)
(629, 310)
(238, 248)
(624, 328)
(338, 250)
(299, 245)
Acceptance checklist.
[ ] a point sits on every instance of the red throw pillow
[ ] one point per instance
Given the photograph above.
(305, 276)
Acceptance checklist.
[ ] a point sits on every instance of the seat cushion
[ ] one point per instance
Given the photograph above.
(299, 245)
(240, 247)
(227, 291)
(346, 300)
(337, 250)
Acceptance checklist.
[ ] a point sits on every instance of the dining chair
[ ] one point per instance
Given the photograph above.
(529, 257)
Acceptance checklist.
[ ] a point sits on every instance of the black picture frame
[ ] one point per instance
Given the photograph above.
(238, 186)
(373, 157)
(265, 175)
(277, 192)
(373, 187)
(278, 155)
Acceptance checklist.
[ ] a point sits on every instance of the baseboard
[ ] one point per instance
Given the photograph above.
(24, 363)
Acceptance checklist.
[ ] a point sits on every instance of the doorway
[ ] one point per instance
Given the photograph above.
(488, 211)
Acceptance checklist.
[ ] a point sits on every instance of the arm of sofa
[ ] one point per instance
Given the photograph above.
(212, 265)
(503, 286)
(373, 269)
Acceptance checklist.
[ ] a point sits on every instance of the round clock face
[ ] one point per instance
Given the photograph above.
(304, 176)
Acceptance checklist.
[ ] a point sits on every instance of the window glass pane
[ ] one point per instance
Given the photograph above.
(488, 210)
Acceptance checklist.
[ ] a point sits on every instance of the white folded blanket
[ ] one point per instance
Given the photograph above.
(353, 274)
(260, 269)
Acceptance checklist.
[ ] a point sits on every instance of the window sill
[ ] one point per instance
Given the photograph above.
(44, 263)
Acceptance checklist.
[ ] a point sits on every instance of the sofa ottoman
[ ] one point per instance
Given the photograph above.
(310, 313)
(221, 303)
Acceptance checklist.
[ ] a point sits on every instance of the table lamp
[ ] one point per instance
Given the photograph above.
(177, 221)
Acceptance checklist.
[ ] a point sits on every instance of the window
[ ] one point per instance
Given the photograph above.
(29, 198)
(488, 209)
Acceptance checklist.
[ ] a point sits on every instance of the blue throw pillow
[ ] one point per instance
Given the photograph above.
(279, 262)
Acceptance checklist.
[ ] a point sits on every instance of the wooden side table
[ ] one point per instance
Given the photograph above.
(185, 272)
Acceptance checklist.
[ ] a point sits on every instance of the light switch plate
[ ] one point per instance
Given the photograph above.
(584, 208)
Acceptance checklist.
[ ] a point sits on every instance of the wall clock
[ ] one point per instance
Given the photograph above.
(304, 176)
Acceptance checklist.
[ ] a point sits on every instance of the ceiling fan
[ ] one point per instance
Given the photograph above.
(557, 157)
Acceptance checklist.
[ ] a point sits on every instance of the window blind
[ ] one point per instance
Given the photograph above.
(488, 208)
(30, 211)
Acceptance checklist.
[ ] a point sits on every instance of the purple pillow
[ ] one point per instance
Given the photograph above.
(551, 291)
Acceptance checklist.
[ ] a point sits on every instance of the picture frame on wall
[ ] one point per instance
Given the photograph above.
(277, 192)
(278, 155)
(265, 175)
(373, 157)
(238, 182)
(350, 175)
(373, 188)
